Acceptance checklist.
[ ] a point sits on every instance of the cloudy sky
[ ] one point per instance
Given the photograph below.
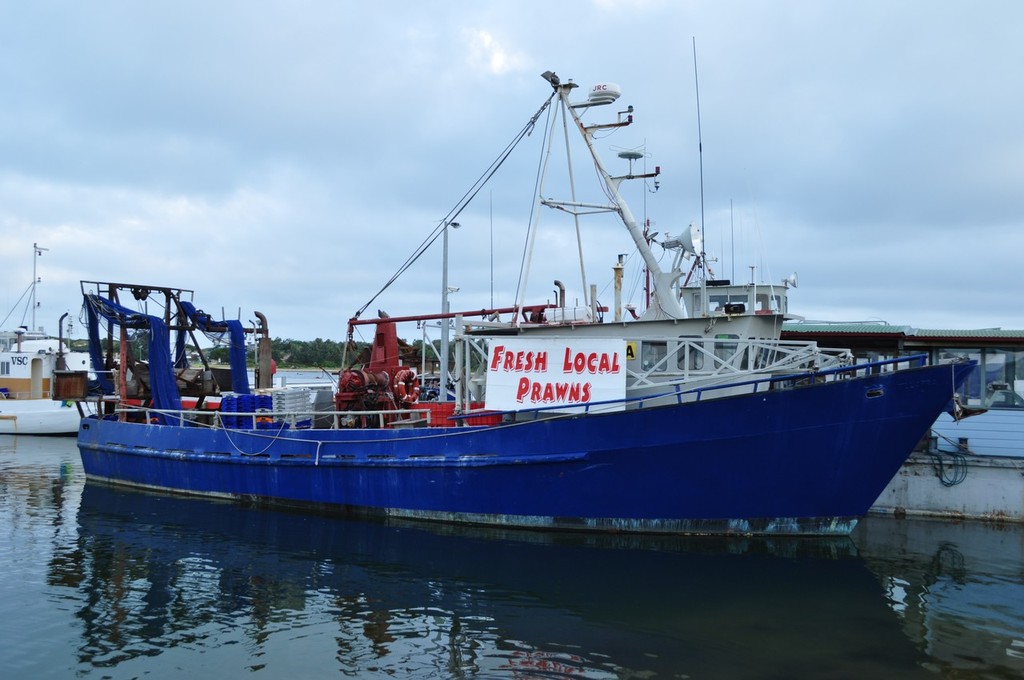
(288, 157)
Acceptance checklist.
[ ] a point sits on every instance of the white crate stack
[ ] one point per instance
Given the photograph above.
(291, 400)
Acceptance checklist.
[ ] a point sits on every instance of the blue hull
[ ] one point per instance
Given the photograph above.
(806, 460)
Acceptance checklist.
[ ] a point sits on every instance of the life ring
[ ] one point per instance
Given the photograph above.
(406, 387)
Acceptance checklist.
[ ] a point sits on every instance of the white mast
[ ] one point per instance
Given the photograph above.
(666, 303)
(37, 251)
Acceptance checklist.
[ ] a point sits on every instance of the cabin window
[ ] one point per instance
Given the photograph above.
(690, 357)
(717, 303)
(725, 350)
(763, 357)
(652, 354)
(999, 380)
(769, 304)
(5, 367)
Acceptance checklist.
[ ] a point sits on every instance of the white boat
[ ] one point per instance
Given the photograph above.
(28, 403)
(29, 362)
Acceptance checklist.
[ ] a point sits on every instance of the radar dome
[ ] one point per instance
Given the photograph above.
(604, 93)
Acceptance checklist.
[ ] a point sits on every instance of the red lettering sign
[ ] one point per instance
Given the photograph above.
(522, 361)
(539, 393)
(522, 373)
(590, 362)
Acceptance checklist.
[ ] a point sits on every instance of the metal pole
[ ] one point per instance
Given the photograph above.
(617, 274)
(443, 372)
(442, 394)
(36, 252)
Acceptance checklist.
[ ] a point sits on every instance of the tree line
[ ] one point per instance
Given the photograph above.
(289, 353)
(318, 353)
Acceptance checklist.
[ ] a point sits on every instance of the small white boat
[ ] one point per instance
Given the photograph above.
(29, 362)
(28, 404)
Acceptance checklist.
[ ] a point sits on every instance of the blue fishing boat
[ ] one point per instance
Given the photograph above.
(692, 417)
(969, 467)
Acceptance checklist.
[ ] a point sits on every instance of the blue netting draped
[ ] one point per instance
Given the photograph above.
(161, 369)
(236, 347)
(180, 358)
(96, 350)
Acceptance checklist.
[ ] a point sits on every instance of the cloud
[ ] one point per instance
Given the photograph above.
(488, 55)
(291, 156)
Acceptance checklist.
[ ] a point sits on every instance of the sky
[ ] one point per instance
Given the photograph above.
(289, 157)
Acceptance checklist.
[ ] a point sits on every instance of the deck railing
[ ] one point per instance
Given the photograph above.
(679, 393)
(25, 394)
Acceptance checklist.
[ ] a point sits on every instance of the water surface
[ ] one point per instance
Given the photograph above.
(109, 583)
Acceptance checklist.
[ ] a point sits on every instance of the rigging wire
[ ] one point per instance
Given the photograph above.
(24, 312)
(460, 205)
(537, 187)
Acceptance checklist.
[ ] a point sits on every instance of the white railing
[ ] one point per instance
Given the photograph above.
(26, 394)
(675, 359)
(682, 360)
(275, 420)
(775, 368)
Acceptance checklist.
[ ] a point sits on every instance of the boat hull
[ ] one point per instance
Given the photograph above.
(38, 417)
(807, 460)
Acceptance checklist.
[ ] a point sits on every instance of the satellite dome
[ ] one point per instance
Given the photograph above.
(604, 93)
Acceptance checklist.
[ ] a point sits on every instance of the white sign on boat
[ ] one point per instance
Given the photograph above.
(532, 373)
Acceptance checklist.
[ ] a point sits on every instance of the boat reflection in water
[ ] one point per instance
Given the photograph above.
(957, 587)
(174, 582)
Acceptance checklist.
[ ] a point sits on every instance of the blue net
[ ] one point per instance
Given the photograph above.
(236, 343)
(161, 361)
(161, 369)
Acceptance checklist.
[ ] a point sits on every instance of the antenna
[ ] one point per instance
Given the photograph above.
(701, 257)
(631, 155)
(700, 149)
(37, 251)
(490, 207)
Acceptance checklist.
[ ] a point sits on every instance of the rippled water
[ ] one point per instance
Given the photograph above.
(107, 583)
